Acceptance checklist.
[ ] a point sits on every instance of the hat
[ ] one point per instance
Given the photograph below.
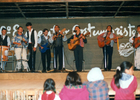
(95, 74)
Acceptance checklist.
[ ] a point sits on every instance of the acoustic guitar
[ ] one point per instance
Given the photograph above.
(63, 30)
(136, 42)
(76, 41)
(107, 41)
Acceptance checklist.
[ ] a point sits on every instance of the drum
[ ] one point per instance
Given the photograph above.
(4, 53)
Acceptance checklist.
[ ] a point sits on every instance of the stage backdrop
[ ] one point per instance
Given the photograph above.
(93, 54)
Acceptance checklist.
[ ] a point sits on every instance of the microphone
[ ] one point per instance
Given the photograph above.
(75, 31)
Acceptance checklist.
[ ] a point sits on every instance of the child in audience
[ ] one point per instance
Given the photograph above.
(124, 83)
(96, 86)
(73, 88)
(49, 91)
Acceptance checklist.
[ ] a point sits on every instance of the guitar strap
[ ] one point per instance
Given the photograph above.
(81, 41)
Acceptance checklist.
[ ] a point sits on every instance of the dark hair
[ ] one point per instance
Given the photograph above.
(49, 84)
(3, 29)
(109, 26)
(45, 29)
(138, 26)
(28, 24)
(124, 65)
(77, 26)
(20, 27)
(57, 26)
(73, 79)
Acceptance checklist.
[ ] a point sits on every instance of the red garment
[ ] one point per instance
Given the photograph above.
(74, 94)
(46, 96)
(127, 93)
(81, 41)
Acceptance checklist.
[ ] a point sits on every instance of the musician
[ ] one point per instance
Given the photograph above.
(78, 51)
(4, 41)
(58, 39)
(44, 44)
(109, 47)
(137, 56)
(20, 41)
(31, 35)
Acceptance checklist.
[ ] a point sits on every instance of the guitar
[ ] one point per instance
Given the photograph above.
(64, 29)
(107, 41)
(136, 42)
(45, 47)
(76, 41)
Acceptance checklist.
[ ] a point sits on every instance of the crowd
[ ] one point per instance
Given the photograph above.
(124, 83)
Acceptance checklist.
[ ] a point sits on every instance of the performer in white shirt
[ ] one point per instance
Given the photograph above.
(4, 41)
(32, 39)
(134, 39)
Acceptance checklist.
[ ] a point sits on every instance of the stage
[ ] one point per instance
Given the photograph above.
(31, 84)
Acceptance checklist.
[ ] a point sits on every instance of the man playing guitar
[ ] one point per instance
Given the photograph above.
(78, 51)
(135, 39)
(58, 39)
(44, 46)
(108, 46)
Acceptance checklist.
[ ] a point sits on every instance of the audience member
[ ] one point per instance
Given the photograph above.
(49, 91)
(73, 88)
(96, 86)
(124, 82)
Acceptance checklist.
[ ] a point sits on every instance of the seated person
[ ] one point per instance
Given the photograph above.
(73, 88)
(49, 91)
(124, 83)
(96, 86)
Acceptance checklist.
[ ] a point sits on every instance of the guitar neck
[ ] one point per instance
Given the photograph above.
(111, 39)
(80, 37)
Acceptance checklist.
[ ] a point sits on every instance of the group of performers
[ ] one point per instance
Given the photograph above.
(30, 40)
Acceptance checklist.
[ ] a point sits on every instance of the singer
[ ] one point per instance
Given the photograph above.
(135, 40)
(108, 48)
(20, 42)
(78, 51)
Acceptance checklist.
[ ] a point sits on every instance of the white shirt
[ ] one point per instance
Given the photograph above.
(49, 92)
(35, 37)
(8, 39)
(46, 37)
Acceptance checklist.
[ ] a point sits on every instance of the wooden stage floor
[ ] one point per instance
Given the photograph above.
(34, 81)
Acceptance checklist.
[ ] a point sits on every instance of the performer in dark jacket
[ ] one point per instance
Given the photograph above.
(58, 47)
(78, 51)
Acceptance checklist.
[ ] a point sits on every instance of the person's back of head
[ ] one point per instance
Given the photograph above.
(73, 78)
(49, 84)
(123, 68)
(95, 74)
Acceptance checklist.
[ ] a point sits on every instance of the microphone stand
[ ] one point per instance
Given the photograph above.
(21, 50)
(105, 55)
